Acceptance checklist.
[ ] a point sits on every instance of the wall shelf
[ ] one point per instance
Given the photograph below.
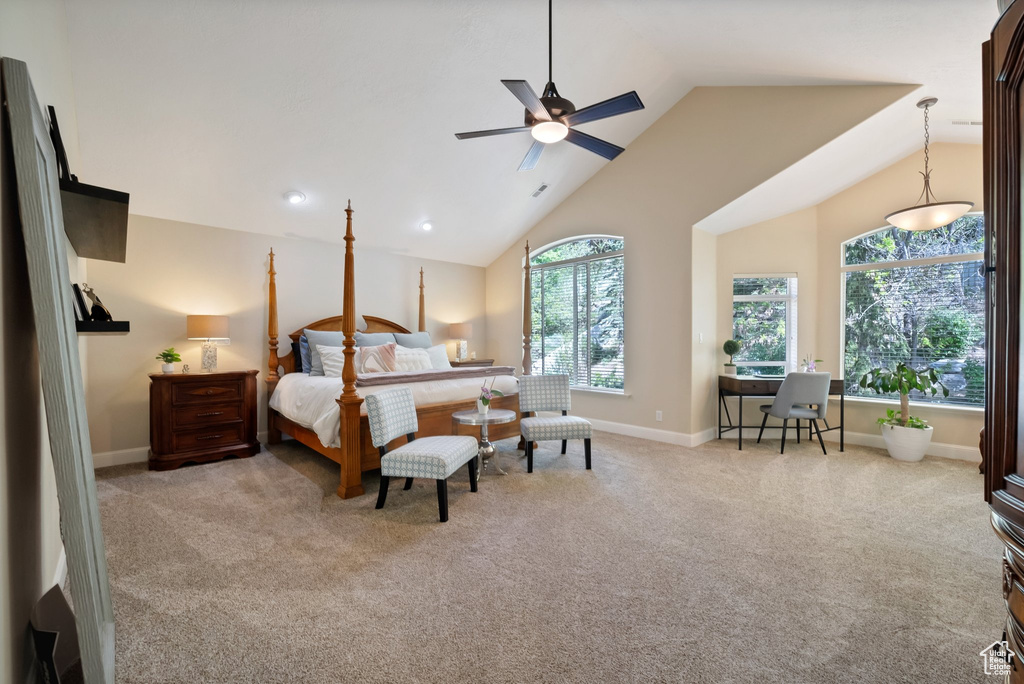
(102, 327)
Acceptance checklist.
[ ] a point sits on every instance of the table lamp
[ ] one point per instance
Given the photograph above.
(209, 329)
(460, 332)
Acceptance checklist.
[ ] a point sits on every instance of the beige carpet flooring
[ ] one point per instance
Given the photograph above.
(663, 564)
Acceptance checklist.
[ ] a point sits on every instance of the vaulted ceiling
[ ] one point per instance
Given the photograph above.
(208, 112)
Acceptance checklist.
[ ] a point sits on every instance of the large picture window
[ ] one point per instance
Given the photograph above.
(577, 300)
(764, 322)
(918, 297)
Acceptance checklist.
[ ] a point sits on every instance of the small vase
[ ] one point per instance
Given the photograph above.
(481, 407)
(167, 368)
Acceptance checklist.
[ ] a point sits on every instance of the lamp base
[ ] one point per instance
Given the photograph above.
(460, 350)
(209, 357)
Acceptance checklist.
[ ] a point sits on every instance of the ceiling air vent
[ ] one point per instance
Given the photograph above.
(966, 122)
(539, 191)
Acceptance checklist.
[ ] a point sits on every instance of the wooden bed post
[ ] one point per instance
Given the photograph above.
(527, 315)
(423, 315)
(349, 404)
(273, 433)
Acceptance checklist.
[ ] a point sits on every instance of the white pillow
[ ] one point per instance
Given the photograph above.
(333, 359)
(439, 357)
(407, 359)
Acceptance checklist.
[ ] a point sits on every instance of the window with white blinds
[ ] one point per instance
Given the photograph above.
(764, 322)
(918, 298)
(577, 301)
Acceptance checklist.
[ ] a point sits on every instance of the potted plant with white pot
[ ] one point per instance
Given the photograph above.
(906, 437)
(731, 347)
(169, 357)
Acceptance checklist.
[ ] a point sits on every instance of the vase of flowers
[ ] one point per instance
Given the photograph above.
(809, 365)
(169, 357)
(483, 402)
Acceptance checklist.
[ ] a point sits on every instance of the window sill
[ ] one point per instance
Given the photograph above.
(597, 390)
(914, 405)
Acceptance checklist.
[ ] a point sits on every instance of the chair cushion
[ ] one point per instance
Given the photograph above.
(795, 412)
(434, 458)
(555, 427)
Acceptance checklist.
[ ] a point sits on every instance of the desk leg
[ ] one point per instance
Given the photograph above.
(741, 422)
(842, 421)
(720, 400)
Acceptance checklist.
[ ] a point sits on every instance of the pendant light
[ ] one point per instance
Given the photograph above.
(932, 214)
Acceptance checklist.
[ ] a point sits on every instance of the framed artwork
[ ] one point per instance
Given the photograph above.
(35, 173)
(81, 310)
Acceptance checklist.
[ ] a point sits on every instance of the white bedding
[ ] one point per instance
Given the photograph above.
(311, 401)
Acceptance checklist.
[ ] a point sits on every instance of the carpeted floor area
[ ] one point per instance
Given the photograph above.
(663, 564)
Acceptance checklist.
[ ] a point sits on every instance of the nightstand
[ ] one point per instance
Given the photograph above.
(201, 417)
(472, 362)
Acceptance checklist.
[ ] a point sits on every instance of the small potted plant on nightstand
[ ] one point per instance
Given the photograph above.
(906, 437)
(731, 347)
(169, 357)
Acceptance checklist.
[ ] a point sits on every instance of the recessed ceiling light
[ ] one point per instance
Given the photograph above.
(427, 225)
(294, 197)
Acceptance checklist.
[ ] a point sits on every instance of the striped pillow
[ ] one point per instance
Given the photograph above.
(379, 359)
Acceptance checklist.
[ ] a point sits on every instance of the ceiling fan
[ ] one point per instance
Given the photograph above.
(551, 117)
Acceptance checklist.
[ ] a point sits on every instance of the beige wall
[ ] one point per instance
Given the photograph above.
(33, 31)
(713, 146)
(175, 269)
(809, 243)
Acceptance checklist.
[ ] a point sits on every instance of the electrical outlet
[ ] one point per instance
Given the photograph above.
(657, 416)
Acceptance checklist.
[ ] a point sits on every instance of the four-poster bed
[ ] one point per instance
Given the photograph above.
(351, 446)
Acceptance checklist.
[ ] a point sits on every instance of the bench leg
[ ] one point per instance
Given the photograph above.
(586, 451)
(529, 457)
(565, 443)
(408, 484)
(382, 493)
(442, 499)
(472, 474)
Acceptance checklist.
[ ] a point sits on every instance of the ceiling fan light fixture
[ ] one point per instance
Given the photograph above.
(549, 131)
(932, 214)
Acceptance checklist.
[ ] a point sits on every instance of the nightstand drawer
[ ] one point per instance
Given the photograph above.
(210, 437)
(217, 391)
(206, 414)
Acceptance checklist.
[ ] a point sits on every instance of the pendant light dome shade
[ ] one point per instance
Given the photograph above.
(932, 214)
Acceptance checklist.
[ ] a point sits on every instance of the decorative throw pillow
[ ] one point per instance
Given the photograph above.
(326, 338)
(378, 359)
(417, 340)
(439, 357)
(411, 359)
(333, 360)
(304, 354)
(373, 339)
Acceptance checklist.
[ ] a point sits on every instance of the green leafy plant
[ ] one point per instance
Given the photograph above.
(169, 356)
(903, 379)
(731, 347)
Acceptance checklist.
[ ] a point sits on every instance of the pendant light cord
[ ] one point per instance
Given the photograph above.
(550, 79)
(926, 192)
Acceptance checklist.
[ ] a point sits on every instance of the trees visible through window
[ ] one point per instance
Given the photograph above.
(577, 303)
(918, 297)
(764, 322)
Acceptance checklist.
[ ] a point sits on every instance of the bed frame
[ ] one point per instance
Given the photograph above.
(356, 453)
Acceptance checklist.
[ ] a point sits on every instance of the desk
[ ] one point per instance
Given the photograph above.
(757, 386)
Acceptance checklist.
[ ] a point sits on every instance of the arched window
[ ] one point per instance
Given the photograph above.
(917, 297)
(577, 300)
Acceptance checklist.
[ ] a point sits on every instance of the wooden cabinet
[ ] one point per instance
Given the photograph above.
(1002, 452)
(201, 417)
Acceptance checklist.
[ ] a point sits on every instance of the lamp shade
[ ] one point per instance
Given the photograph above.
(207, 327)
(929, 216)
(461, 331)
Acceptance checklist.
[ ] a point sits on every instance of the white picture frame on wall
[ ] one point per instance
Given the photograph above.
(35, 171)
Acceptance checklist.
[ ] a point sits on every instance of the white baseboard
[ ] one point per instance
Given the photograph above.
(105, 459)
(654, 434)
(61, 573)
(940, 449)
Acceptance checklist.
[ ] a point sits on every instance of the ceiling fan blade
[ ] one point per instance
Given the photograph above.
(595, 145)
(493, 131)
(524, 93)
(630, 102)
(532, 156)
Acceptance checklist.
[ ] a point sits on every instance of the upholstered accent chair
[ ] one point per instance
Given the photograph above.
(799, 392)
(549, 393)
(393, 414)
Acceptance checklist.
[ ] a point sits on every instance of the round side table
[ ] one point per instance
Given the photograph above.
(492, 417)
